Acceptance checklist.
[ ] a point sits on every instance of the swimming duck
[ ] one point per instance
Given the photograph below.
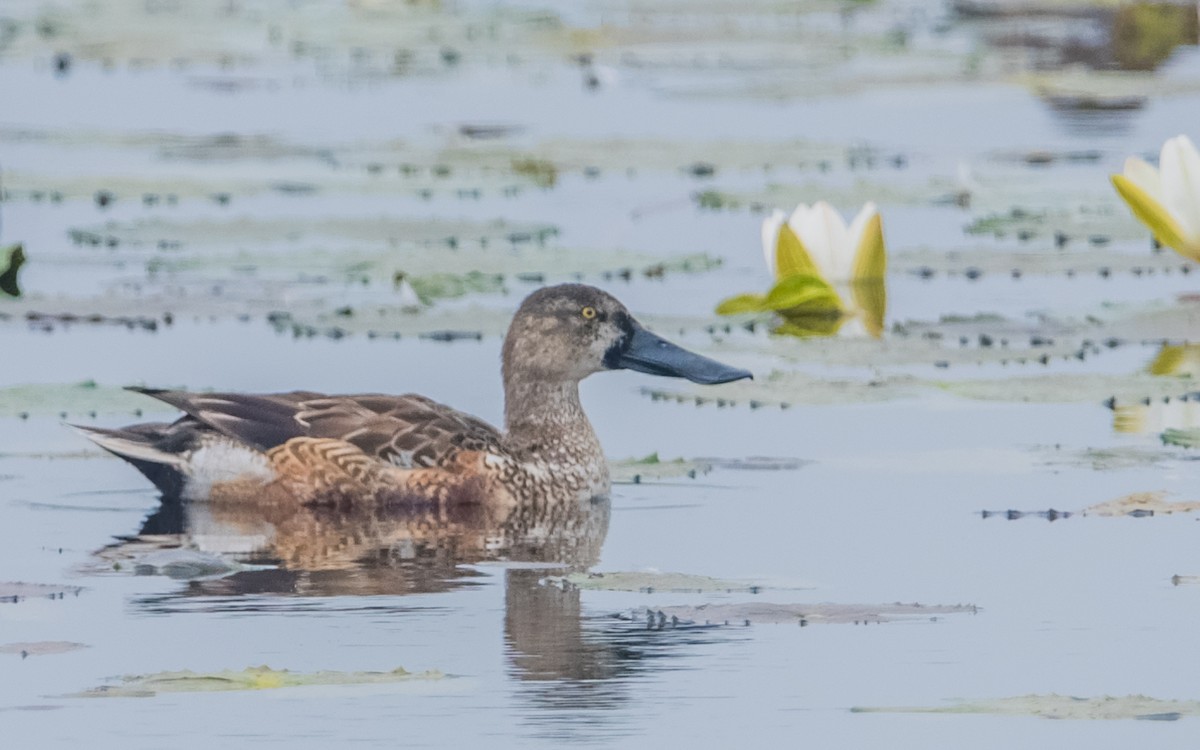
(314, 448)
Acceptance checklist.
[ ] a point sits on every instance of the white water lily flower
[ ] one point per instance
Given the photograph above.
(1167, 199)
(827, 247)
(851, 260)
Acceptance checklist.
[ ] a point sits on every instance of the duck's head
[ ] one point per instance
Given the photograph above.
(567, 332)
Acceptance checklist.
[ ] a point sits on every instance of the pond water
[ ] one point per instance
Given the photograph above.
(871, 500)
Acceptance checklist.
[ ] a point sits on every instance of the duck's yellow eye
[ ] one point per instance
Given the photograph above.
(588, 312)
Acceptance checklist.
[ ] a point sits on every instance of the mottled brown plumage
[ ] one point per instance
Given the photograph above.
(310, 447)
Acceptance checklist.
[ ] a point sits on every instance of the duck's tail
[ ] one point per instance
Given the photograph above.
(144, 446)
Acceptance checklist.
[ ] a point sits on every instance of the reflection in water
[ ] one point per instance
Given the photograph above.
(319, 550)
(573, 672)
(576, 670)
(1154, 416)
(1144, 35)
(1086, 114)
(1134, 36)
(1178, 360)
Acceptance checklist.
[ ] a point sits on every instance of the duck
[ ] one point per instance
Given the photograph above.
(312, 448)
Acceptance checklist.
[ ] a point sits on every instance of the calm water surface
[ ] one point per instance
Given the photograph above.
(885, 506)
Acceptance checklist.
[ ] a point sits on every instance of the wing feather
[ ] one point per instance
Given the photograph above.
(408, 430)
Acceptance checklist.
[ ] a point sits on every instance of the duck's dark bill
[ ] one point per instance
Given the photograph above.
(648, 353)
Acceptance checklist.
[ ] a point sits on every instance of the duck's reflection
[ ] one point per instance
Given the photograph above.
(576, 671)
(313, 550)
(573, 670)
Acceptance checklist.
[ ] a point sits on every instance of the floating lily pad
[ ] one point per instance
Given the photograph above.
(786, 388)
(651, 467)
(40, 648)
(1053, 706)
(1078, 260)
(1108, 459)
(253, 678)
(1183, 438)
(74, 399)
(1140, 504)
(649, 582)
(763, 613)
(13, 592)
(288, 242)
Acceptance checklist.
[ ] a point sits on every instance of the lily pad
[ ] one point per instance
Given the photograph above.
(1079, 259)
(649, 582)
(1108, 459)
(651, 467)
(763, 613)
(73, 399)
(40, 648)
(1054, 706)
(786, 388)
(1183, 438)
(13, 592)
(1140, 504)
(253, 678)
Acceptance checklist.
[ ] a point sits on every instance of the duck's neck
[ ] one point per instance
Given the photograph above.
(545, 417)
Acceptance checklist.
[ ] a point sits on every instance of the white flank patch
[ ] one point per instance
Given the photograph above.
(220, 460)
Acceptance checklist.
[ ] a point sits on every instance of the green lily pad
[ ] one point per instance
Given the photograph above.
(1054, 706)
(653, 468)
(649, 582)
(76, 400)
(1140, 504)
(766, 613)
(253, 678)
(1108, 459)
(1182, 438)
(13, 592)
(40, 648)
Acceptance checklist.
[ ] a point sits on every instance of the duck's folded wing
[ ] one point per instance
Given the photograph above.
(406, 430)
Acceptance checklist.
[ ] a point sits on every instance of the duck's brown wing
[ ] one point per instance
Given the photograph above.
(407, 431)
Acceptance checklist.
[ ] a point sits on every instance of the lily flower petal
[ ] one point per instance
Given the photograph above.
(1145, 176)
(1167, 199)
(1179, 168)
(786, 254)
(770, 239)
(824, 234)
(792, 257)
(1154, 215)
(826, 273)
(870, 255)
(870, 302)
